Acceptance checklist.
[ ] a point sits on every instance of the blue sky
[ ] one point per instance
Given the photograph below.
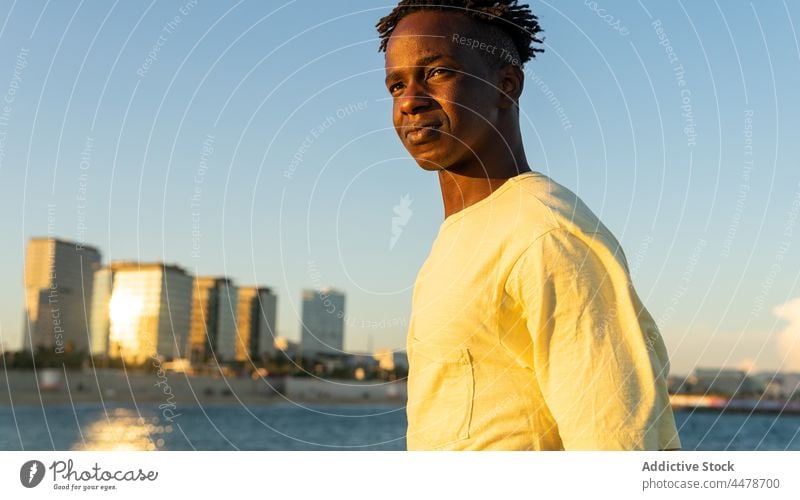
(712, 239)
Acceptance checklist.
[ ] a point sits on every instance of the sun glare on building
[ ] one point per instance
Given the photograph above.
(125, 311)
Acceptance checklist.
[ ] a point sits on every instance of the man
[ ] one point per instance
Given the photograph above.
(526, 332)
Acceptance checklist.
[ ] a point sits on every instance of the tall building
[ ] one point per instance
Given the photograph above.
(101, 297)
(59, 277)
(256, 339)
(148, 311)
(322, 327)
(214, 312)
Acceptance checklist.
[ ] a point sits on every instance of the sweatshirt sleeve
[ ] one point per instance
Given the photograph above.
(598, 356)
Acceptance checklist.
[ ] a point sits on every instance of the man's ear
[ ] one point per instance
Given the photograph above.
(511, 80)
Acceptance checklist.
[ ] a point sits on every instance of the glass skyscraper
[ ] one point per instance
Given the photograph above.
(256, 338)
(214, 316)
(146, 313)
(323, 322)
(59, 277)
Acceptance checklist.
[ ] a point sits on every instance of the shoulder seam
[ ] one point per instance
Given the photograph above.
(525, 251)
(553, 219)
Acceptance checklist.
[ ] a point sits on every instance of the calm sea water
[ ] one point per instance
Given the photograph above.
(290, 427)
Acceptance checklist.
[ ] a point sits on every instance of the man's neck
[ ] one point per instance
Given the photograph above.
(460, 191)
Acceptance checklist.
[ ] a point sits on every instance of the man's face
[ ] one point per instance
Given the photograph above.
(445, 103)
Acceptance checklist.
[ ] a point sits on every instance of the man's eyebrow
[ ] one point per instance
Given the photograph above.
(426, 60)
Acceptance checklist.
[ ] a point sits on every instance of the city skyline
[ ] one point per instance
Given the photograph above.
(255, 142)
(323, 312)
(129, 309)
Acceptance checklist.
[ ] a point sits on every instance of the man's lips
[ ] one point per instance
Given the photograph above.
(422, 132)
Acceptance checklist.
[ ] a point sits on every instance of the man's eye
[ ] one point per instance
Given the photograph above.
(438, 71)
(395, 87)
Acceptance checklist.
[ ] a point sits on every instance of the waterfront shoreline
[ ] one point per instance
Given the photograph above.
(22, 388)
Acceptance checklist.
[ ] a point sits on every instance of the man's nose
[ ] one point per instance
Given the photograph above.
(414, 99)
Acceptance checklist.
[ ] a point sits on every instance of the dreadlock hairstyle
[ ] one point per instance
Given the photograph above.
(503, 18)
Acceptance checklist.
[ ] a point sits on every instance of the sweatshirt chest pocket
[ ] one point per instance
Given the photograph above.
(440, 396)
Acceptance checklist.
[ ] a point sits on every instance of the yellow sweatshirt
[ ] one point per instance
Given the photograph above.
(526, 333)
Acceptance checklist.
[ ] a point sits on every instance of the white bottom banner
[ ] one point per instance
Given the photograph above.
(400, 475)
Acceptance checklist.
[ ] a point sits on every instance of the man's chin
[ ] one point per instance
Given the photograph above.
(430, 166)
(441, 155)
(431, 162)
